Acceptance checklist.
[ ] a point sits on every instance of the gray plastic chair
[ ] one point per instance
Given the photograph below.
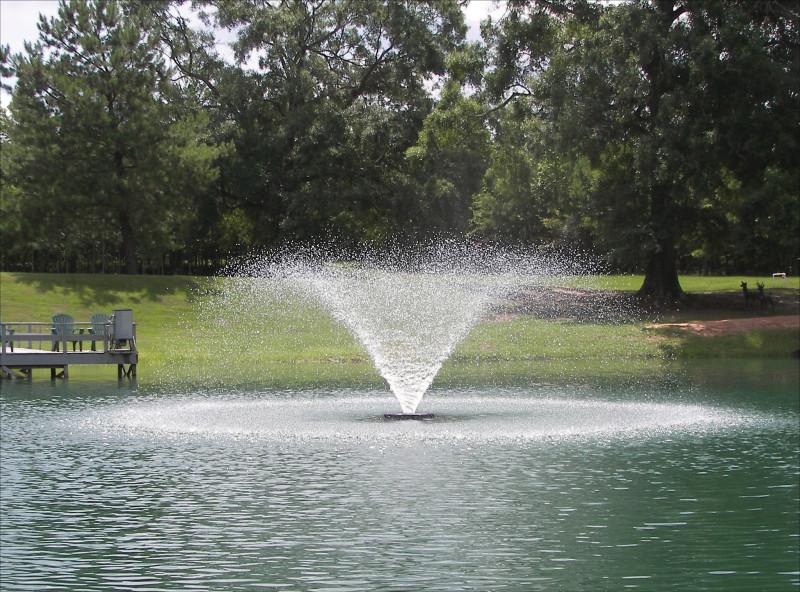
(99, 322)
(63, 326)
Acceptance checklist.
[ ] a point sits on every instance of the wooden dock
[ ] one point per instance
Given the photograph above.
(27, 346)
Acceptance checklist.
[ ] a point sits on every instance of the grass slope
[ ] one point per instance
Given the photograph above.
(690, 283)
(294, 344)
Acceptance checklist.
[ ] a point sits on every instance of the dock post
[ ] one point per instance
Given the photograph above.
(130, 373)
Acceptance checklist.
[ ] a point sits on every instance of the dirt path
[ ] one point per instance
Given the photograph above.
(731, 326)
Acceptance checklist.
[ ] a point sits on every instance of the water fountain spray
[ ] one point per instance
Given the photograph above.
(410, 308)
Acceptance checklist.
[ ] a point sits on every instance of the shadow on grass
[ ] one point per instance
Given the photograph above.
(783, 301)
(109, 290)
(614, 307)
(760, 343)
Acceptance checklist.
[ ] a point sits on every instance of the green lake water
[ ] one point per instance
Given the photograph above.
(683, 482)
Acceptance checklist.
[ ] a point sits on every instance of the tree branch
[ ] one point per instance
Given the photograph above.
(505, 102)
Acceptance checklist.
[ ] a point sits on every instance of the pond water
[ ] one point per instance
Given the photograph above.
(690, 483)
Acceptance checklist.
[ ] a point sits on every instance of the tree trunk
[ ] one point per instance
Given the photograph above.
(128, 242)
(126, 229)
(661, 285)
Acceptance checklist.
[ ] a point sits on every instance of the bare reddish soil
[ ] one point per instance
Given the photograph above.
(731, 326)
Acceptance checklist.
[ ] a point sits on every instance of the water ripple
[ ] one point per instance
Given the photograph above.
(314, 492)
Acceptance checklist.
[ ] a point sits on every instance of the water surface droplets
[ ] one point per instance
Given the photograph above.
(519, 415)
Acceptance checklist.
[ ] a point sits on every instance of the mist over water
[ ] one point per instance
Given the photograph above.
(501, 416)
(409, 309)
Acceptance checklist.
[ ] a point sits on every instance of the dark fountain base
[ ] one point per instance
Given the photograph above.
(408, 415)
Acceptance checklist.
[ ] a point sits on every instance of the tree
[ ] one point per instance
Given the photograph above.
(11, 221)
(322, 124)
(533, 191)
(98, 144)
(647, 92)
(450, 158)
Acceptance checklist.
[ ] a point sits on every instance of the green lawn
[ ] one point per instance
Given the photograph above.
(690, 283)
(182, 335)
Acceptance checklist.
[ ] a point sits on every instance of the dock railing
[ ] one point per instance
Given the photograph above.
(36, 337)
(25, 346)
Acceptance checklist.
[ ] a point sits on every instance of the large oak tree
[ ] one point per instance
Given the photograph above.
(667, 99)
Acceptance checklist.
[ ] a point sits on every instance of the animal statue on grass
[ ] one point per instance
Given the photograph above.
(748, 296)
(764, 299)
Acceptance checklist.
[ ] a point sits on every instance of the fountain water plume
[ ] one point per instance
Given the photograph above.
(408, 308)
(408, 322)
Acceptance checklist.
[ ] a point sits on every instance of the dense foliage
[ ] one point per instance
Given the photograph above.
(660, 134)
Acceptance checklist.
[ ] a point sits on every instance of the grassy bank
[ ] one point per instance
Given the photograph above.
(183, 335)
(690, 283)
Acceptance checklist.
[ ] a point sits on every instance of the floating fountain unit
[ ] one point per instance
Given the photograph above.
(399, 416)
